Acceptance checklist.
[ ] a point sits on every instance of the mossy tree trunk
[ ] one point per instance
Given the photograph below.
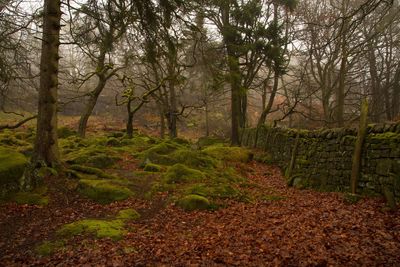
(362, 130)
(234, 72)
(46, 143)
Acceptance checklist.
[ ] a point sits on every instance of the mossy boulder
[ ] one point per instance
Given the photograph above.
(94, 156)
(104, 191)
(180, 173)
(159, 153)
(193, 202)
(203, 142)
(113, 229)
(151, 167)
(128, 215)
(193, 158)
(12, 166)
(229, 153)
(91, 170)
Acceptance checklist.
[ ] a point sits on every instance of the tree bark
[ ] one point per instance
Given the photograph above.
(129, 123)
(267, 109)
(46, 142)
(207, 120)
(91, 103)
(234, 73)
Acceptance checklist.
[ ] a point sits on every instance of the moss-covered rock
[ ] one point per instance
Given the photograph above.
(30, 198)
(193, 158)
(47, 248)
(91, 170)
(203, 142)
(193, 202)
(104, 191)
(113, 229)
(180, 173)
(128, 215)
(151, 167)
(12, 166)
(229, 153)
(94, 156)
(159, 153)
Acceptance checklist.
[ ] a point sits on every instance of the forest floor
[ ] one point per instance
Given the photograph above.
(273, 225)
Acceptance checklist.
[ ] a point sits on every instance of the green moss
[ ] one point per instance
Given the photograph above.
(151, 167)
(158, 153)
(180, 173)
(128, 214)
(94, 156)
(92, 170)
(199, 189)
(104, 191)
(179, 141)
(193, 158)
(48, 247)
(209, 141)
(64, 132)
(112, 141)
(193, 202)
(12, 166)
(229, 153)
(30, 198)
(47, 171)
(113, 229)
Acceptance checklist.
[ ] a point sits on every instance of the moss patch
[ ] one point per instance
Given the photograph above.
(203, 142)
(193, 202)
(92, 170)
(128, 214)
(229, 153)
(30, 198)
(113, 229)
(94, 156)
(12, 166)
(193, 158)
(48, 247)
(180, 173)
(104, 191)
(151, 167)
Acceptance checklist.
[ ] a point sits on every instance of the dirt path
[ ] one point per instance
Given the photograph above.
(303, 228)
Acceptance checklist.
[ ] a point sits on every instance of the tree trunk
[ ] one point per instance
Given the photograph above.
(91, 103)
(243, 109)
(376, 105)
(396, 95)
(268, 108)
(234, 73)
(207, 121)
(129, 123)
(46, 143)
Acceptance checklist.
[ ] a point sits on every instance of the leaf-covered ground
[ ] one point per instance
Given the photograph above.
(298, 228)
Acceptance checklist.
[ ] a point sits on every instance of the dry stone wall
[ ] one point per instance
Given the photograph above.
(323, 158)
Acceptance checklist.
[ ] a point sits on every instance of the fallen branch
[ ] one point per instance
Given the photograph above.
(19, 124)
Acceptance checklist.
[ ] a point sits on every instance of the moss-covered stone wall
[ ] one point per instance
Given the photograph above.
(324, 157)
